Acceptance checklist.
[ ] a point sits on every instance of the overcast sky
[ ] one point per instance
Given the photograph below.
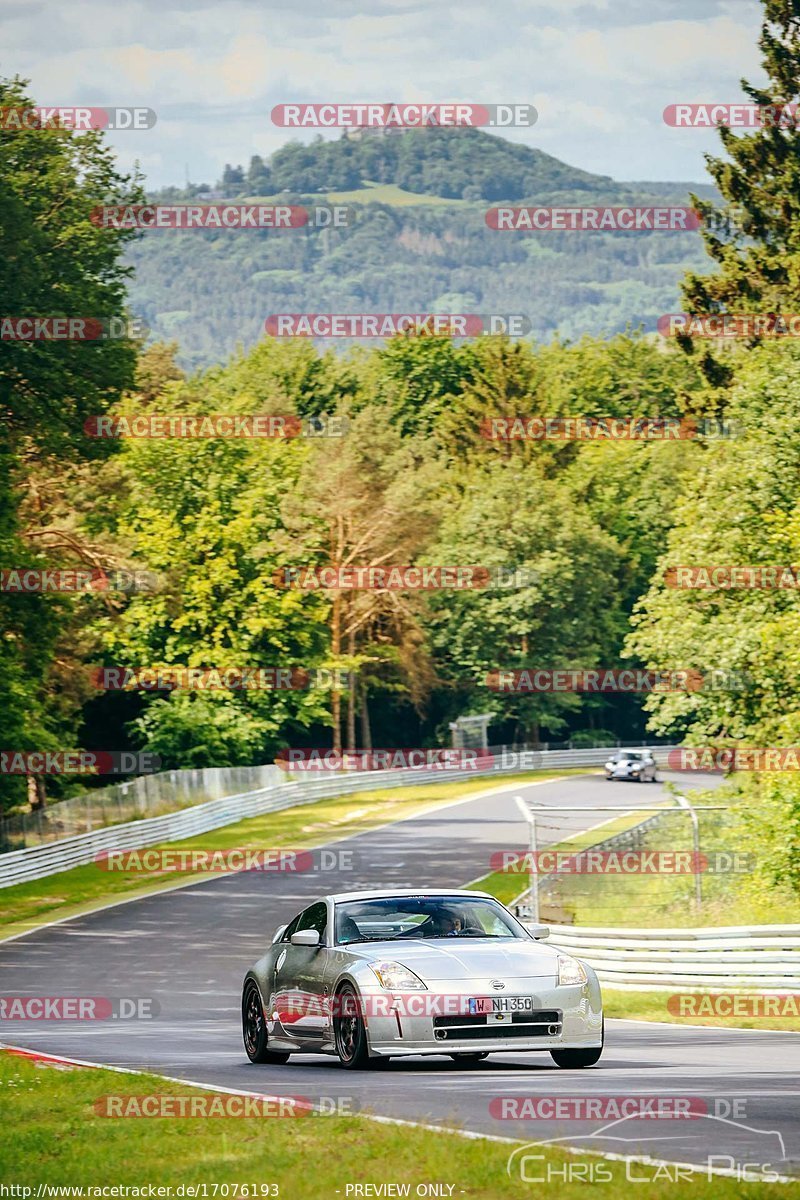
(600, 72)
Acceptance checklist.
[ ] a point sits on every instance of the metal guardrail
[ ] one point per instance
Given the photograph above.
(36, 862)
(131, 800)
(763, 958)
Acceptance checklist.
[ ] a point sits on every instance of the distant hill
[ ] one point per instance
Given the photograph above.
(457, 164)
(705, 191)
(420, 243)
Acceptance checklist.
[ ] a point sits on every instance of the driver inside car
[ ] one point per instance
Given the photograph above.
(446, 923)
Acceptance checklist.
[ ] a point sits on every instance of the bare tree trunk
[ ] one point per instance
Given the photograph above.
(336, 649)
(351, 694)
(366, 732)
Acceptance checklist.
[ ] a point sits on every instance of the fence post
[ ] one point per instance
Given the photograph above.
(533, 888)
(698, 881)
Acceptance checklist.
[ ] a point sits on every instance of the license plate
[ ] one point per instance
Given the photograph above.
(483, 1005)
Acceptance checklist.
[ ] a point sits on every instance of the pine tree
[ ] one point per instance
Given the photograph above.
(754, 237)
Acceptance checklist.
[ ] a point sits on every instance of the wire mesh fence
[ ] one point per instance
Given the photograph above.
(169, 791)
(135, 799)
(649, 874)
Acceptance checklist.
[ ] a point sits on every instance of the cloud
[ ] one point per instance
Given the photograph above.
(599, 71)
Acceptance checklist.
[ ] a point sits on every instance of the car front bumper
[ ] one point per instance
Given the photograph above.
(562, 1017)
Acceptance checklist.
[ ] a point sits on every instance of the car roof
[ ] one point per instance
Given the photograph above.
(387, 894)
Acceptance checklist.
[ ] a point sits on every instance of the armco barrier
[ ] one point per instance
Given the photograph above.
(763, 958)
(144, 796)
(35, 862)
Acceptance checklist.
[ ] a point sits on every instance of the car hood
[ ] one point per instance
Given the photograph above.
(456, 958)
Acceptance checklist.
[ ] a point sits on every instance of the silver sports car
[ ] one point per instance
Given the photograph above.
(374, 975)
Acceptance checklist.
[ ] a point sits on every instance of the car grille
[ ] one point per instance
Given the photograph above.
(540, 1023)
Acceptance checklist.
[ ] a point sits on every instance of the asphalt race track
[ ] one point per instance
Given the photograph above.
(190, 948)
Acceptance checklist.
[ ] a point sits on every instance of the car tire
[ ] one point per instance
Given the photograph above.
(349, 1031)
(468, 1057)
(254, 1028)
(576, 1060)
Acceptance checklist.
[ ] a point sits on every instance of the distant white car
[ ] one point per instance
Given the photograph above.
(632, 764)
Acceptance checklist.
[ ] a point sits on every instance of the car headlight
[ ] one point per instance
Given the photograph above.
(570, 971)
(396, 977)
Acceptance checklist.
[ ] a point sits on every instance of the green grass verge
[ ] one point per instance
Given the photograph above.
(508, 886)
(661, 901)
(86, 888)
(653, 1006)
(59, 1139)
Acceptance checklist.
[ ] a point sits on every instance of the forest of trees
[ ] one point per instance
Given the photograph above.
(457, 164)
(595, 525)
(212, 292)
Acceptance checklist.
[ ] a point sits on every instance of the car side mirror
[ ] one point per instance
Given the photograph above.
(306, 937)
(278, 934)
(539, 931)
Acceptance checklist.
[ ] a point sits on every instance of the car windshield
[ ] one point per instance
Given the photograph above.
(631, 757)
(398, 918)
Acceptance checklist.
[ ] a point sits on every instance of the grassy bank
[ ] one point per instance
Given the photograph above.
(746, 895)
(59, 1139)
(654, 1006)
